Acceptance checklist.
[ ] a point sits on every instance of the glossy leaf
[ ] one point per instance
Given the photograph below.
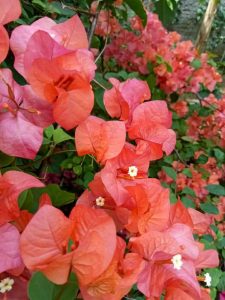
(138, 8)
(209, 208)
(216, 189)
(41, 288)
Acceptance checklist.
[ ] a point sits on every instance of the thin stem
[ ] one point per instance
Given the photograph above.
(106, 40)
(94, 22)
(92, 31)
(98, 83)
(77, 9)
(63, 151)
(103, 50)
(180, 158)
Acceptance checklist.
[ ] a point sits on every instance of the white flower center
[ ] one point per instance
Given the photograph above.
(100, 201)
(6, 285)
(177, 261)
(133, 171)
(208, 279)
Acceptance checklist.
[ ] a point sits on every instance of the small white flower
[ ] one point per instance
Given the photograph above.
(177, 261)
(208, 279)
(6, 285)
(133, 171)
(100, 201)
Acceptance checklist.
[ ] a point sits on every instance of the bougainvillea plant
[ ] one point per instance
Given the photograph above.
(112, 138)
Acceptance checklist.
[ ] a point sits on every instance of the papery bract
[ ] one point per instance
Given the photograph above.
(12, 183)
(100, 138)
(200, 221)
(44, 244)
(96, 233)
(62, 77)
(9, 249)
(207, 259)
(23, 116)
(150, 125)
(25, 216)
(123, 98)
(7, 15)
(157, 249)
(48, 233)
(98, 191)
(179, 214)
(71, 34)
(118, 278)
(115, 175)
(148, 213)
(4, 43)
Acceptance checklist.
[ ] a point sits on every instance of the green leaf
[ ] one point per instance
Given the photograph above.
(5, 160)
(99, 92)
(49, 131)
(77, 160)
(58, 196)
(26, 201)
(196, 64)
(173, 198)
(187, 172)
(202, 159)
(221, 284)
(59, 136)
(138, 8)
(209, 208)
(216, 189)
(188, 202)
(40, 3)
(223, 253)
(101, 82)
(77, 169)
(88, 177)
(188, 191)
(219, 154)
(151, 80)
(29, 199)
(220, 243)
(213, 293)
(205, 111)
(169, 159)
(41, 288)
(187, 139)
(170, 172)
(166, 9)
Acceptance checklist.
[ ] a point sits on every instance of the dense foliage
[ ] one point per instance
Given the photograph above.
(112, 157)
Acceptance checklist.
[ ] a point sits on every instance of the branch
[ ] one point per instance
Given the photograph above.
(206, 25)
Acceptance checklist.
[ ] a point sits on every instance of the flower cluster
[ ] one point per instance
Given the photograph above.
(211, 127)
(173, 60)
